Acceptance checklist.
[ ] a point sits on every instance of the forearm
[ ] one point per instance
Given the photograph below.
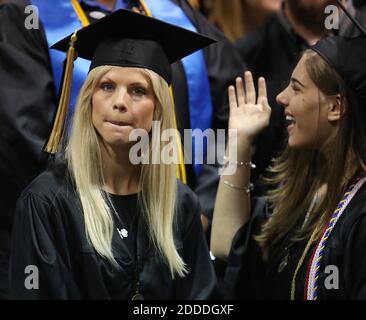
(232, 207)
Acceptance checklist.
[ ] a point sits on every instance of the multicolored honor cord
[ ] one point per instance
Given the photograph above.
(311, 287)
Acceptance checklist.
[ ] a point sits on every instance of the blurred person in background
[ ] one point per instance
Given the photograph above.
(27, 104)
(238, 17)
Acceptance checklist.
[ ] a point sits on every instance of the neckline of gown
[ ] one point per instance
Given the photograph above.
(122, 196)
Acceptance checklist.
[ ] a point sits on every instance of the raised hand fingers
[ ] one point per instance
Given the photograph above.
(239, 97)
(262, 91)
(240, 91)
(249, 87)
(232, 97)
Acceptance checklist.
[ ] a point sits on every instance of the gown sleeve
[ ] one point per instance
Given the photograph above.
(200, 283)
(27, 104)
(27, 98)
(38, 244)
(245, 269)
(354, 263)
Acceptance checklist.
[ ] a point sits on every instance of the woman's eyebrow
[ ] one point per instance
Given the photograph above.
(297, 81)
(139, 83)
(106, 78)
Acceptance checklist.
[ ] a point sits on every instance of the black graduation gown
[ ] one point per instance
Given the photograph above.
(249, 277)
(27, 103)
(49, 233)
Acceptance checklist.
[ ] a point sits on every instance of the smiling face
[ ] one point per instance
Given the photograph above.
(122, 101)
(309, 113)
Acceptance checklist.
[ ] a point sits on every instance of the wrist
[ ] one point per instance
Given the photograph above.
(239, 146)
(239, 138)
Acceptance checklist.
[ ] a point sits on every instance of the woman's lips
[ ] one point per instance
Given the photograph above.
(118, 123)
(290, 127)
(290, 121)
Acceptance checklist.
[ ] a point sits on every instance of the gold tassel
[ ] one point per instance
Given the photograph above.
(80, 13)
(59, 123)
(181, 169)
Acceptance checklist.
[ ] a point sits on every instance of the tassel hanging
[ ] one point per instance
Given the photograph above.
(181, 170)
(59, 122)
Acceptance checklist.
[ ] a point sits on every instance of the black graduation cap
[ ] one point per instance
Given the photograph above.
(127, 39)
(348, 57)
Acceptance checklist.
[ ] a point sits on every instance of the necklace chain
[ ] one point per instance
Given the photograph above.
(285, 259)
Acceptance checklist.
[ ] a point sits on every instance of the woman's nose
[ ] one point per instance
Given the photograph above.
(282, 98)
(120, 102)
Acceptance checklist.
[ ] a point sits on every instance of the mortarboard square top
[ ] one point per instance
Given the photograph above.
(128, 39)
(348, 57)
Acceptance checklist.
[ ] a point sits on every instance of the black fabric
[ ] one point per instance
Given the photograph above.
(347, 57)
(132, 53)
(27, 104)
(182, 113)
(125, 38)
(249, 277)
(49, 233)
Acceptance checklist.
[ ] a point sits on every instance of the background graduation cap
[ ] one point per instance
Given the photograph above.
(127, 39)
(348, 57)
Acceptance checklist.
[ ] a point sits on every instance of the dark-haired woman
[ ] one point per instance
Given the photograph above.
(306, 239)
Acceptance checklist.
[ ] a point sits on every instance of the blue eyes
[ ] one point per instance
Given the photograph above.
(134, 90)
(139, 91)
(106, 86)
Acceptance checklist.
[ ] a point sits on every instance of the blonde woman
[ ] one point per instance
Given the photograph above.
(306, 238)
(97, 226)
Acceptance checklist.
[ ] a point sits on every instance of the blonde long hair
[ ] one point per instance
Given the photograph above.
(157, 183)
(297, 174)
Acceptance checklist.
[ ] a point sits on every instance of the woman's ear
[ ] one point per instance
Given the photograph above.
(335, 109)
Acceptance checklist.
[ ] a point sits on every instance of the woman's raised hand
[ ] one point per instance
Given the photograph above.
(248, 114)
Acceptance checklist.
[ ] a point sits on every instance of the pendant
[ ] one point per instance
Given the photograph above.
(283, 263)
(137, 296)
